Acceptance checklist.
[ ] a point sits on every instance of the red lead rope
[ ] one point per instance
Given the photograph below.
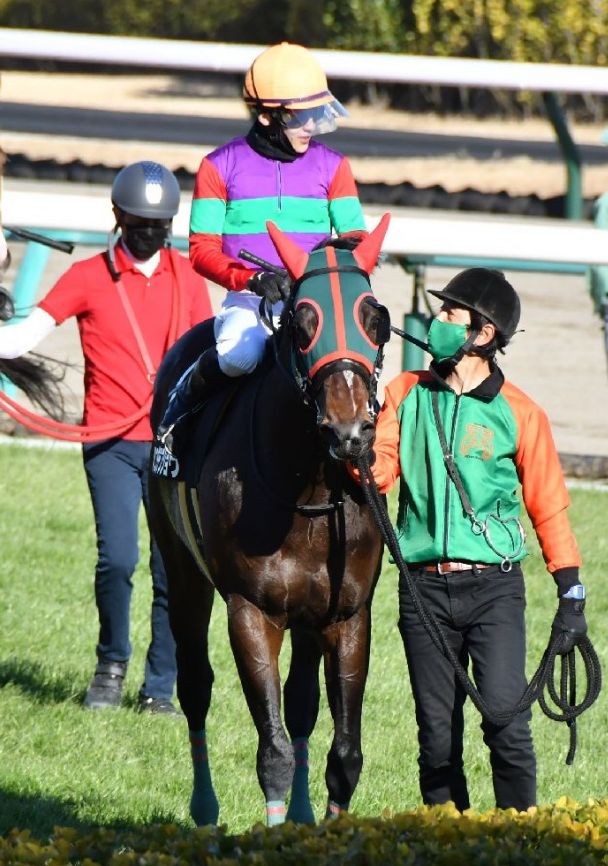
(82, 432)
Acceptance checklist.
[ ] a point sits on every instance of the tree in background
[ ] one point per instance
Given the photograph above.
(550, 31)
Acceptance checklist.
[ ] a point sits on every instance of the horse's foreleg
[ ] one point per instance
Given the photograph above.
(346, 663)
(302, 694)
(256, 644)
(190, 605)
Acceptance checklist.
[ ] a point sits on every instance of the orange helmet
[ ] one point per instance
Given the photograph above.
(287, 78)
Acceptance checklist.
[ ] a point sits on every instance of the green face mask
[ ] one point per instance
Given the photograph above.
(445, 338)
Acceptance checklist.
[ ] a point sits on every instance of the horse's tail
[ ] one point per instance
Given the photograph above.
(38, 382)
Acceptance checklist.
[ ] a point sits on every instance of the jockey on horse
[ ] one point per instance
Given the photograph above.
(277, 172)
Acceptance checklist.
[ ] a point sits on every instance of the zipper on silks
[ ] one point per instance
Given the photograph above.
(446, 508)
(279, 186)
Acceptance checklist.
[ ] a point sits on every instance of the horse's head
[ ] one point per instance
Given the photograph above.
(337, 330)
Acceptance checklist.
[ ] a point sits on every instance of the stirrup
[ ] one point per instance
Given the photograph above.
(166, 438)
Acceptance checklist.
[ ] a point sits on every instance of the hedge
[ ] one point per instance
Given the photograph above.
(565, 833)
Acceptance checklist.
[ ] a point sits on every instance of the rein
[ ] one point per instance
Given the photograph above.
(544, 678)
(318, 510)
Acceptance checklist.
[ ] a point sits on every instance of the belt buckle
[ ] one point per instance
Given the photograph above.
(440, 567)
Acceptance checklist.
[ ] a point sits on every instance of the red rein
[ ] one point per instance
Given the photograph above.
(82, 433)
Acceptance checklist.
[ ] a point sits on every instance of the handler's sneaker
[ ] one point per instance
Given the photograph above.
(157, 706)
(105, 690)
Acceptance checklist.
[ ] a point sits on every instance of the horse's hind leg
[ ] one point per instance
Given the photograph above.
(346, 663)
(190, 604)
(301, 695)
(190, 611)
(256, 643)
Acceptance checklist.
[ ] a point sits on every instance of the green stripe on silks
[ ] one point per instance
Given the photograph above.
(346, 214)
(300, 808)
(207, 216)
(275, 812)
(290, 213)
(204, 807)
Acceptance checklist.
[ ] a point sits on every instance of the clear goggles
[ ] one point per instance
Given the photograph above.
(316, 121)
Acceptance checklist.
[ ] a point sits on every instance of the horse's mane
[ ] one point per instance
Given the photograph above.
(38, 382)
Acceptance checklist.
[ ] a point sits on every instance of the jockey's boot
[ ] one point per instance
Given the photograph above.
(190, 393)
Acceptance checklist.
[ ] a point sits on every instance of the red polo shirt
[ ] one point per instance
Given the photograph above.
(115, 380)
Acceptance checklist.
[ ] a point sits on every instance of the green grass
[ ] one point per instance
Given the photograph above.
(62, 765)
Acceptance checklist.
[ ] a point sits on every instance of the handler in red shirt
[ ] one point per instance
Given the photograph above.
(124, 302)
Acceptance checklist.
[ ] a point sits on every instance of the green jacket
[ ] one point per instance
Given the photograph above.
(499, 439)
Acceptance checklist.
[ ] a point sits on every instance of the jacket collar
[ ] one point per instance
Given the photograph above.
(486, 390)
(126, 262)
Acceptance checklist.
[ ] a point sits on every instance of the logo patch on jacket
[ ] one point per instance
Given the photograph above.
(478, 442)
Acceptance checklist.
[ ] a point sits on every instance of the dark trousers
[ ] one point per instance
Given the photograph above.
(117, 474)
(482, 615)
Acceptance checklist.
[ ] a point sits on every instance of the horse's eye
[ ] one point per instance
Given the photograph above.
(306, 323)
(375, 321)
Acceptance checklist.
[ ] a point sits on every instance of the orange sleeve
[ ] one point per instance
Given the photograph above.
(207, 217)
(343, 183)
(387, 466)
(542, 481)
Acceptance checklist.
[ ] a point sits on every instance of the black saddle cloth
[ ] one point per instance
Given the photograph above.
(193, 435)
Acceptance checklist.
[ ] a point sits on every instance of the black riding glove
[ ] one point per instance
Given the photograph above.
(569, 623)
(273, 287)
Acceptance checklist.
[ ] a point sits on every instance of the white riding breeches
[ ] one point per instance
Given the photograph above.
(240, 334)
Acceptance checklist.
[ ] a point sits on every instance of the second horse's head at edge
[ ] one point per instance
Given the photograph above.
(338, 330)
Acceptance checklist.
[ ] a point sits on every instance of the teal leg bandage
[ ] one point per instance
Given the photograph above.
(334, 809)
(275, 812)
(300, 808)
(204, 807)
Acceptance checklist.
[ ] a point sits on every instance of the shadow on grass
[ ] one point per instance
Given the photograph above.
(37, 681)
(40, 815)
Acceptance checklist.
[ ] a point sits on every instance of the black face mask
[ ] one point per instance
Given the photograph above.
(271, 141)
(144, 241)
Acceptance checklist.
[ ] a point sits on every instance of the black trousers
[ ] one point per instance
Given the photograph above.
(482, 615)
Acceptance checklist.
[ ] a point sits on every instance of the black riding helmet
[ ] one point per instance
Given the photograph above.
(489, 293)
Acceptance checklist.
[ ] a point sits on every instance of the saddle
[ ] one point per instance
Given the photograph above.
(192, 439)
(184, 462)
(193, 435)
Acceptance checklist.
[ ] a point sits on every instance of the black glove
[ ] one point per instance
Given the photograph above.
(273, 287)
(569, 623)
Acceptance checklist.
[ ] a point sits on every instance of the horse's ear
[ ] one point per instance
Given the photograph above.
(366, 254)
(293, 257)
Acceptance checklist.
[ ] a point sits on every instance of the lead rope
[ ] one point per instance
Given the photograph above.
(84, 433)
(567, 709)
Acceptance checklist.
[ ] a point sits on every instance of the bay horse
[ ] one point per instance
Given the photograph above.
(282, 532)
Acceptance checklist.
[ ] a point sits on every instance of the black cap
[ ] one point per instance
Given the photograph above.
(487, 292)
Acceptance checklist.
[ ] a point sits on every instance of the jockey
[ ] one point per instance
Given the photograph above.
(277, 172)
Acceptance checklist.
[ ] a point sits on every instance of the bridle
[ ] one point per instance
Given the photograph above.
(309, 387)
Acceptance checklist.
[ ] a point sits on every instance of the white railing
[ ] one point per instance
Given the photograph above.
(352, 65)
(417, 234)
